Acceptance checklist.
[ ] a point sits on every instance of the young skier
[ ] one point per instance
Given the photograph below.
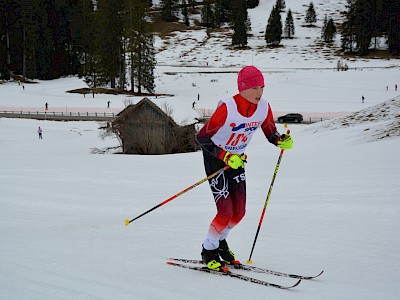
(223, 140)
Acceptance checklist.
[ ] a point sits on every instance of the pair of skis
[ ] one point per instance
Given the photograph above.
(193, 264)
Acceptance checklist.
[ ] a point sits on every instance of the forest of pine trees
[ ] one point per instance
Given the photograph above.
(47, 39)
(111, 42)
(367, 21)
(214, 13)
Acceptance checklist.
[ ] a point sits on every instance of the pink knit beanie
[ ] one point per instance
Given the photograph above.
(249, 77)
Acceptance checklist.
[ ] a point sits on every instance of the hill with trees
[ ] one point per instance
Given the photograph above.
(111, 42)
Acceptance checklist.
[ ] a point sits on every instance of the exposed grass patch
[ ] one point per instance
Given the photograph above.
(164, 29)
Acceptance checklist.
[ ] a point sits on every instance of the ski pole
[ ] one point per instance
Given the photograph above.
(249, 261)
(127, 221)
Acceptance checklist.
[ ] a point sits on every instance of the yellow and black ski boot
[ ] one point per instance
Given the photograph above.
(212, 261)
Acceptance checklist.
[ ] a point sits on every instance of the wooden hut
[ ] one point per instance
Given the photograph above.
(144, 128)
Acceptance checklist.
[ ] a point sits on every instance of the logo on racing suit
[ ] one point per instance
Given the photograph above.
(251, 126)
(238, 140)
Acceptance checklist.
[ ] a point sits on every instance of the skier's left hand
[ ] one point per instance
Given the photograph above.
(285, 142)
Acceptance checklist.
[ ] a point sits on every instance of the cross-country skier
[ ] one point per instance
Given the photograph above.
(224, 139)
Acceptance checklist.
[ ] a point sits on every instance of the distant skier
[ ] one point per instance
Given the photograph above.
(224, 139)
(362, 99)
(40, 133)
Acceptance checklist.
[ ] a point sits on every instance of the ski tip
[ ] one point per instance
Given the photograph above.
(249, 261)
(313, 277)
(296, 284)
(127, 222)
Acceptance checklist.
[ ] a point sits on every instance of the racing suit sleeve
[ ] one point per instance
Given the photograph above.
(269, 128)
(203, 137)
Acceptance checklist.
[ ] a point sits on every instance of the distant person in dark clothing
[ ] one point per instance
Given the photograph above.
(40, 133)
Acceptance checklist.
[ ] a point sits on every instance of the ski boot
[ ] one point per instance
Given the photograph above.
(226, 254)
(211, 259)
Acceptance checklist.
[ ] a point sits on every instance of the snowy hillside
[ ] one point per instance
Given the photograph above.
(305, 50)
(377, 122)
(334, 204)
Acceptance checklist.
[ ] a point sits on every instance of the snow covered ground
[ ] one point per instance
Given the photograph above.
(334, 205)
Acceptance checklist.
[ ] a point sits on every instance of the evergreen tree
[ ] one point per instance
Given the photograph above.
(140, 45)
(240, 23)
(6, 28)
(212, 14)
(225, 10)
(384, 7)
(289, 25)
(273, 32)
(81, 31)
(185, 12)
(252, 3)
(207, 14)
(328, 30)
(280, 5)
(348, 28)
(108, 39)
(45, 47)
(192, 5)
(364, 26)
(29, 26)
(311, 16)
(169, 10)
(392, 10)
(59, 20)
(219, 13)
(324, 26)
(378, 22)
(4, 44)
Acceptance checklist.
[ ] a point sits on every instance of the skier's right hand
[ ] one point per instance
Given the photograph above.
(235, 161)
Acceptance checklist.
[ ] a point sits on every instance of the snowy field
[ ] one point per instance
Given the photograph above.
(334, 205)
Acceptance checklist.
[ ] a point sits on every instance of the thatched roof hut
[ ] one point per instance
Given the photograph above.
(145, 129)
